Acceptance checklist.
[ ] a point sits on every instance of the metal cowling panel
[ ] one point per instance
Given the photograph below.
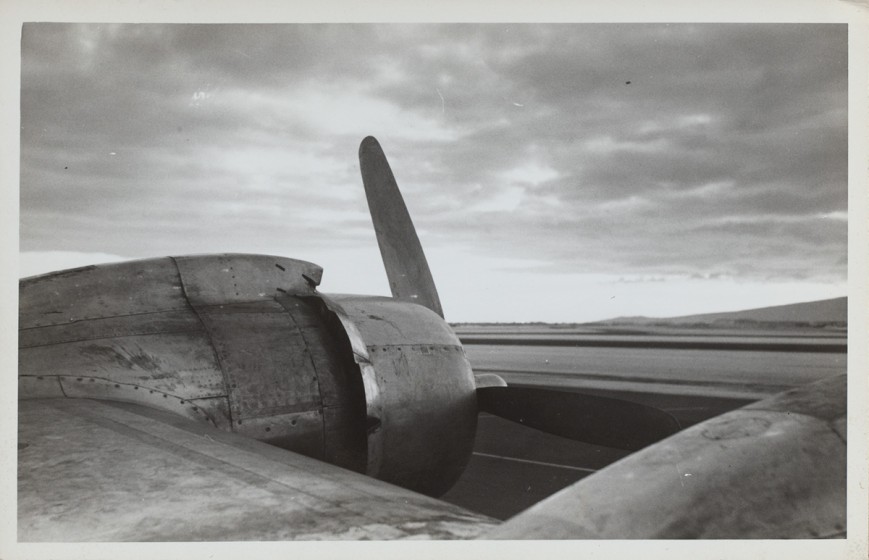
(235, 278)
(428, 418)
(118, 332)
(271, 382)
(93, 292)
(240, 341)
(340, 383)
(419, 390)
(290, 379)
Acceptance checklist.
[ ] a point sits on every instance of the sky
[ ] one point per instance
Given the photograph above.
(555, 172)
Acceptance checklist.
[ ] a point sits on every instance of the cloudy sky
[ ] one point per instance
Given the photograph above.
(559, 172)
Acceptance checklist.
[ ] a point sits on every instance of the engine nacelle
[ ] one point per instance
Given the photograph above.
(246, 343)
(420, 393)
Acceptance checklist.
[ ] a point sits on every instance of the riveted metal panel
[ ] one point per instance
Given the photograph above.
(228, 278)
(264, 359)
(300, 431)
(217, 409)
(325, 353)
(118, 332)
(39, 387)
(144, 332)
(419, 390)
(386, 321)
(202, 410)
(176, 321)
(429, 416)
(341, 390)
(179, 364)
(109, 290)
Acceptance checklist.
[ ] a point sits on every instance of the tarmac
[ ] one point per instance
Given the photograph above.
(513, 466)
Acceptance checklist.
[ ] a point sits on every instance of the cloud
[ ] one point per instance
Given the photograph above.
(640, 150)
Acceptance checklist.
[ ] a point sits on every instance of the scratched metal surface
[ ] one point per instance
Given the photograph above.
(95, 471)
(231, 277)
(94, 292)
(269, 374)
(203, 337)
(421, 393)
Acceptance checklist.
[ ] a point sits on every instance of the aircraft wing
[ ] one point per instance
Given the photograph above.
(108, 471)
(774, 469)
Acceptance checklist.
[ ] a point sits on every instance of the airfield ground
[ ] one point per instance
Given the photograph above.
(514, 467)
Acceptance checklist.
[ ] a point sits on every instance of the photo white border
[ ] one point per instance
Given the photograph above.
(14, 12)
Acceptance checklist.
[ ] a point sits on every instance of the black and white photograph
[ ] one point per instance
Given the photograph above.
(545, 280)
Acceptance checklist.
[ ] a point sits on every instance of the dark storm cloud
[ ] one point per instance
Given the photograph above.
(668, 149)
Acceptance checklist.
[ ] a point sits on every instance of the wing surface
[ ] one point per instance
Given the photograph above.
(105, 471)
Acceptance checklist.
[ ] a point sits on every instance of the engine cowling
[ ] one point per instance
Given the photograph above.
(246, 343)
(419, 391)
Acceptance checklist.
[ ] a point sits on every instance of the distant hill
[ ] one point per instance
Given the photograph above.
(824, 312)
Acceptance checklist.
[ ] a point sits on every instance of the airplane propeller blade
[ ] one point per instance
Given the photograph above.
(406, 267)
(587, 418)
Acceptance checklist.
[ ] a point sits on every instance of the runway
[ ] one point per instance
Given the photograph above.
(513, 466)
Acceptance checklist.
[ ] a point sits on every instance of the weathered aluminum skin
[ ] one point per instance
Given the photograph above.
(419, 389)
(240, 341)
(245, 343)
(774, 469)
(98, 471)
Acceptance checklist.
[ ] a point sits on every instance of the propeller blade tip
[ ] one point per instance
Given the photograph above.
(369, 144)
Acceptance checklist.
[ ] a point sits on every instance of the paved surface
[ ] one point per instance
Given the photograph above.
(720, 373)
(514, 467)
